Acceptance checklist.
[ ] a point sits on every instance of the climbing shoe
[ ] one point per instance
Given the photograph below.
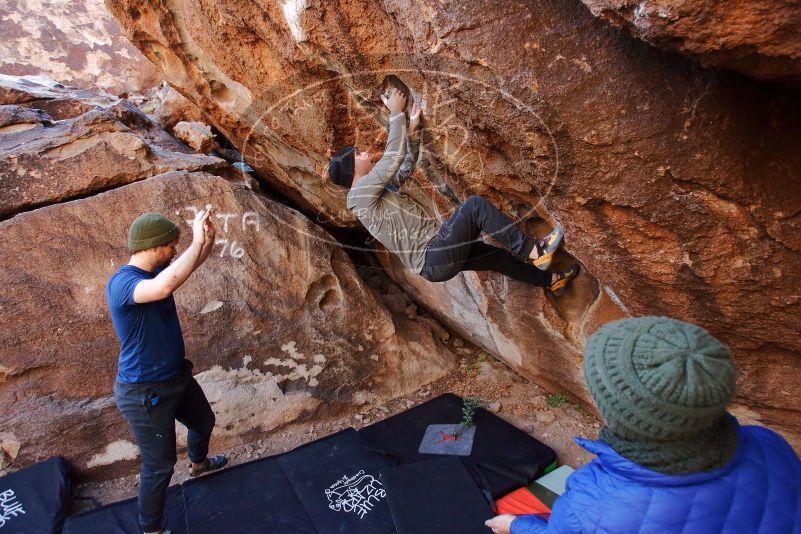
(563, 278)
(212, 464)
(546, 248)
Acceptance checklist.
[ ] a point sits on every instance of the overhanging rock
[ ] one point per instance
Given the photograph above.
(678, 186)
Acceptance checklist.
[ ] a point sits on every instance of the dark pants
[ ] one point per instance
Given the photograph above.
(153, 426)
(458, 246)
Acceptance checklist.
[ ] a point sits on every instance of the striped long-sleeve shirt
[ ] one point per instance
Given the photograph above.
(394, 219)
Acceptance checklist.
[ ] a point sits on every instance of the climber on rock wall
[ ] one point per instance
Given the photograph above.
(437, 252)
(154, 385)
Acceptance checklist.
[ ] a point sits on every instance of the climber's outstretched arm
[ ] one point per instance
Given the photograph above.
(413, 148)
(366, 190)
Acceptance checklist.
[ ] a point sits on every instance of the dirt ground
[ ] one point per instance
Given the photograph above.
(479, 375)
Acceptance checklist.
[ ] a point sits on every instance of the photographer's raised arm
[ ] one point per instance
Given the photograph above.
(209, 235)
(174, 275)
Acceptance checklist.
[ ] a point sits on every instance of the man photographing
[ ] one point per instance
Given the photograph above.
(437, 252)
(154, 385)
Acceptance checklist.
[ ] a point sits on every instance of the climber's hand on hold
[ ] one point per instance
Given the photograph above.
(394, 99)
(414, 120)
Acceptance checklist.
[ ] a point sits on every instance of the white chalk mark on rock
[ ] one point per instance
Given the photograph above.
(251, 218)
(290, 349)
(211, 306)
(245, 400)
(297, 370)
(114, 452)
(225, 217)
(292, 11)
(616, 299)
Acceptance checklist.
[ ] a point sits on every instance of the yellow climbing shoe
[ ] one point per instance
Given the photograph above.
(563, 278)
(546, 248)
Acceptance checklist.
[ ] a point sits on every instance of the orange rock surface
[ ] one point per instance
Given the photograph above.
(678, 186)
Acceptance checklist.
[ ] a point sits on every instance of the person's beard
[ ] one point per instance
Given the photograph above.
(166, 262)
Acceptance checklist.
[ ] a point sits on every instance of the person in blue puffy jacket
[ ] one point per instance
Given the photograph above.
(670, 458)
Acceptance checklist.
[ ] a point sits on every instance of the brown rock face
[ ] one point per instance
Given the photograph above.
(46, 94)
(44, 161)
(195, 134)
(278, 323)
(167, 106)
(759, 38)
(76, 42)
(678, 186)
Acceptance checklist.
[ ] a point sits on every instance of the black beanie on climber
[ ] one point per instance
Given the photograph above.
(340, 168)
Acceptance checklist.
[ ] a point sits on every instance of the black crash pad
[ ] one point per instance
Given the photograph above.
(251, 498)
(503, 458)
(35, 499)
(434, 497)
(329, 486)
(335, 486)
(122, 517)
(336, 479)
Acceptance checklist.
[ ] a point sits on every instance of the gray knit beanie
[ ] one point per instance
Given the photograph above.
(151, 230)
(656, 378)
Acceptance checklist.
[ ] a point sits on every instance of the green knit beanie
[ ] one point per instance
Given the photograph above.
(151, 230)
(656, 378)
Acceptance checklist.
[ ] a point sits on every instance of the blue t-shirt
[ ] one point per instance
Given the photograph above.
(151, 343)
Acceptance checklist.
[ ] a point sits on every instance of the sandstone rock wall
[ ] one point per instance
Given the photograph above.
(76, 42)
(44, 160)
(678, 186)
(759, 38)
(279, 324)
